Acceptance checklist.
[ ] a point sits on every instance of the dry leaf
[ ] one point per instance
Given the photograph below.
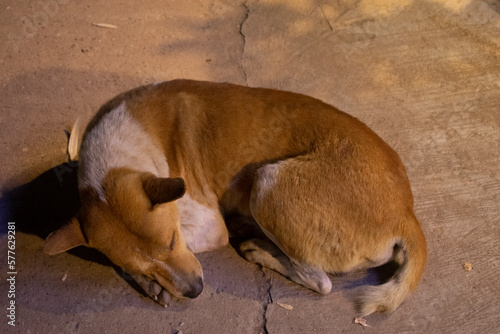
(286, 306)
(74, 140)
(467, 266)
(361, 321)
(105, 25)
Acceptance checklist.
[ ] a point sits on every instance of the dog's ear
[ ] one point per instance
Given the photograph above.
(67, 237)
(162, 190)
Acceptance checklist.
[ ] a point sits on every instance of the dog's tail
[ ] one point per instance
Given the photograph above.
(388, 296)
(74, 140)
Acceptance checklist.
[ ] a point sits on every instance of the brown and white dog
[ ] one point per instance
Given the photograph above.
(160, 165)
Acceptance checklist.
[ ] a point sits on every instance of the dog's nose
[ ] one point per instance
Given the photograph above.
(195, 289)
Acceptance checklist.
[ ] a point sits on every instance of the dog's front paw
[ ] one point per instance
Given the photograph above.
(163, 298)
(153, 289)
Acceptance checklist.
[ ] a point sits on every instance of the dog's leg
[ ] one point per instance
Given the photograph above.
(265, 253)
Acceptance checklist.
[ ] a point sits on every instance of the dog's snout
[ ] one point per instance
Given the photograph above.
(195, 289)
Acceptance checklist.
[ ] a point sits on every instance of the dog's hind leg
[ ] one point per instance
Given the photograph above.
(265, 253)
(289, 206)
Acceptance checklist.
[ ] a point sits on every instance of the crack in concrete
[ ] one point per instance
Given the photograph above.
(324, 15)
(268, 300)
(243, 38)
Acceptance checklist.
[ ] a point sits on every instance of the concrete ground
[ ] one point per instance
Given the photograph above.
(424, 74)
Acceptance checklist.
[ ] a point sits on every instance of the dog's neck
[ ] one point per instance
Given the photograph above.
(118, 141)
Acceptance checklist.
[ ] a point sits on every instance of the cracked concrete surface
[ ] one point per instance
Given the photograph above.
(425, 75)
(243, 40)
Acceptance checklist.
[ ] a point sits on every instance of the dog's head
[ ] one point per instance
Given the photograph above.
(134, 221)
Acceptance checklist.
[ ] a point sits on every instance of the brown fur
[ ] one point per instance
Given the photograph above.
(329, 193)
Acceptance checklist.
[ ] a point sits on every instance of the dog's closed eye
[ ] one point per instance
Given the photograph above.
(172, 243)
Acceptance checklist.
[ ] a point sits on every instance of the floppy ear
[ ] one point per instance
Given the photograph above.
(67, 237)
(162, 190)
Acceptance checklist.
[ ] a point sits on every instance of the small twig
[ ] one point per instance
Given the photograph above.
(286, 306)
(105, 25)
(361, 321)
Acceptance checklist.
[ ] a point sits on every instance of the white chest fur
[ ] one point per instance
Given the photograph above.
(202, 227)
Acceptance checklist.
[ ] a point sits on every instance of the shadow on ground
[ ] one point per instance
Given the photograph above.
(44, 204)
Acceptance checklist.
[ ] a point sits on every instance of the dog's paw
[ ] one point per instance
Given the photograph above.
(248, 250)
(163, 298)
(153, 290)
(255, 251)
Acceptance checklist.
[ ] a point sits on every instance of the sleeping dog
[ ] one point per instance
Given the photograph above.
(161, 165)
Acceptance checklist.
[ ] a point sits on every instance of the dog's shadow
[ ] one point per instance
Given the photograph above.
(46, 203)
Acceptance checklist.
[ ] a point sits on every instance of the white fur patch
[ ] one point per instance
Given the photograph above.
(202, 227)
(118, 140)
(267, 177)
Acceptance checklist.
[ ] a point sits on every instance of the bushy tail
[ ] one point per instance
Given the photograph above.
(388, 296)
